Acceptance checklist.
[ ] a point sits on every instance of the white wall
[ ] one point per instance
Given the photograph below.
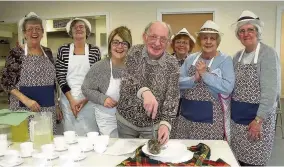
(136, 15)
(100, 28)
(7, 30)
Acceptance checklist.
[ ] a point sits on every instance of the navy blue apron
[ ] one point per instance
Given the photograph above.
(43, 94)
(198, 110)
(245, 110)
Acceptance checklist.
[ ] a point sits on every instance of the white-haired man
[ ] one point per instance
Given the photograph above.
(149, 90)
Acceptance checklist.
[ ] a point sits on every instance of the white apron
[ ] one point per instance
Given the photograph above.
(105, 117)
(78, 67)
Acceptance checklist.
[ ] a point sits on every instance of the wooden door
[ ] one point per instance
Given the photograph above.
(191, 21)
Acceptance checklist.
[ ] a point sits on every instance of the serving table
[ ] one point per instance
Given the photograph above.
(219, 149)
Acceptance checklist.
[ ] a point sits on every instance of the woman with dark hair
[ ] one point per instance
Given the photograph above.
(102, 83)
(73, 62)
(182, 44)
(29, 72)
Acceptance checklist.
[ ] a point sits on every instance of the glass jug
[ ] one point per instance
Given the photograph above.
(41, 131)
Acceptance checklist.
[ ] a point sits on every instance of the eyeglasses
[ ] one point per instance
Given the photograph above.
(154, 38)
(180, 42)
(117, 43)
(37, 29)
(249, 30)
(79, 26)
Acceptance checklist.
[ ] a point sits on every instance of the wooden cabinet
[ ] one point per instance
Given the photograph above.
(4, 50)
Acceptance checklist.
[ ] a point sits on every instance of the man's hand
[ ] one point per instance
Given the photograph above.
(163, 134)
(150, 104)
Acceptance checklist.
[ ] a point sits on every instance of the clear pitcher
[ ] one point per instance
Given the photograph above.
(41, 131)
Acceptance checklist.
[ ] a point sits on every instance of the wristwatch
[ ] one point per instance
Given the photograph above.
(258, 120)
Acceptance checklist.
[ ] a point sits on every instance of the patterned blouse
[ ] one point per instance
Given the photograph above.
(12, 70)
(160, 76)
(180, 61)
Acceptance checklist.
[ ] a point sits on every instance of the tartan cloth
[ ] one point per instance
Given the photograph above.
(201, 157)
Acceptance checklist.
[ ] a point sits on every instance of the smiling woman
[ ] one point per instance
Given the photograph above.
(204, 76)
(256, 91)
(102, 83)
(73, 62)
(29, 71)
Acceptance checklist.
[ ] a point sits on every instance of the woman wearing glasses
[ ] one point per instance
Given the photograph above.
(255, 95)
(102, 83)
(29, 72)
(73, 62)
(182, 43)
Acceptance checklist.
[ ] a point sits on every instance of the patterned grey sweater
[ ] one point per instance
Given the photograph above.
(97, 81)
(268, 69)
(160, 76)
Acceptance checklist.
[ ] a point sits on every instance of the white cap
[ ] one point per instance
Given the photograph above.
(209, 24)
(185, 32)
(30, 15)
(251, 17)
(172, 37)
(81, 19)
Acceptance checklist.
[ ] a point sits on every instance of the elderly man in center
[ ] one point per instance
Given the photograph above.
(149, 93)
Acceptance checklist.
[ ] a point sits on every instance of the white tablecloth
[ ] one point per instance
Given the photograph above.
(219, 149)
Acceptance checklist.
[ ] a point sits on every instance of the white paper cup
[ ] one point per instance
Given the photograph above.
(3, 137)
(48, 150)
(93, 136)
(69, 136)
(74, 151)
(27, 148)
(85, 143)
(59, 143)
(100, 148)
(102, 140)
(3, 147)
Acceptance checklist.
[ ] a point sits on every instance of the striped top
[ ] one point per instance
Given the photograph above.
(62, 62)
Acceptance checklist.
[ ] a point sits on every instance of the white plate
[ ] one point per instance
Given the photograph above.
(88, 149)
(80, 157)
(72, 142)
(3, 163)
(61, 149)
(187, 155)
(40, 155)
(54, 156)
(26, 156)
(173, 149)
